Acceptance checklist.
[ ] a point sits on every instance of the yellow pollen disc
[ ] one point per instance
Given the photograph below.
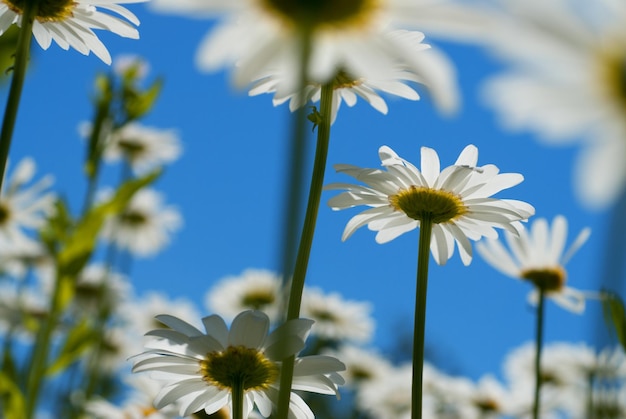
(323, 13)
(613, 75)
(131, 148)
(343, 80)
(5, 214)
(487, 405)
(258, 300)
(133, 218)
(547, 279)
(418, 202)
(47, 10)
(238, 365)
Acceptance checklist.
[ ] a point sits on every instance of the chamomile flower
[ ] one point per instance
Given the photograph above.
(202, 370)
(143, 148)
(70, 23)
(539, 257)
(145, 226)
(254, 289)
(363, 366)
(457, 199)
(565, 82)
(260, 36)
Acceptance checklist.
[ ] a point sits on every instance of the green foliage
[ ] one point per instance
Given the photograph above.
(13, 401)
(315, 117)
(78, 341)
(8, 44)
(137, 103)
(615, 316)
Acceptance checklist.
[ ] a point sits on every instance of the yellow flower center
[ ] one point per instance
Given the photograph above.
(47, 10)
(323, 13)
(417, 202)
(487, 405)
(5, 214)
(238, 366)
(613, 75)
(258, 300)
(133, 218)
(343, 80)
(547, 279)
(132, 148)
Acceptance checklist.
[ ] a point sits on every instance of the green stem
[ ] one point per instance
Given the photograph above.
(237, 399)
(538, 345)
(17, 82)
(306, 239)
(423, 257)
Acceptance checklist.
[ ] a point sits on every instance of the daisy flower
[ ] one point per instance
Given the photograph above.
(337, 319)
(539, 257)
(70, 23)
(565, 82)
(457, 199)
(435, 71)
(203, 370)
(145, 226)
(255, 289)
(363, 366)
(348, 36)
(144, 148)
(24, 207)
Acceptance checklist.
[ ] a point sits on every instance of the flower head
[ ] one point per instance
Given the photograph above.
(457, 200)
(202, 369)
(539, 257)
(70, 23)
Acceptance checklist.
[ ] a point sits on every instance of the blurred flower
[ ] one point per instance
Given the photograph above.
(131, 64)
(22, 310)
(351, 36)
(566, 83)
(137, 405)
(145, 226)
(457, 199)
(71, 23)
(485, 399)
(539, 257)
(430, 67)
(337, 319)
(362, 365)
(23, 207)
(144, 148)
(202, 369)
(254, 289)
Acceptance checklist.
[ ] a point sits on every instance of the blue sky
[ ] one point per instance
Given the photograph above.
(229, 184)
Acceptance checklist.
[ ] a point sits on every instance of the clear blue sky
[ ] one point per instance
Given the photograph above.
(229, 185)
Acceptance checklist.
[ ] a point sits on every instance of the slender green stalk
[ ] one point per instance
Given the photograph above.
(423, 257)
(538, 346)
(237, 399)
(306, 239)
(17, 82)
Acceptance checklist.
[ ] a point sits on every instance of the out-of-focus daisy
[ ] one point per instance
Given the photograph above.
(485, 399)
(254, 289)
(349, 36)
(22, 310)
(71, 23)
(145, 226)
(337, 319)
(430, 67)
(566, 83)
(24, 207)
(142, 147)
(203, 369)
(539, 257)
(363, 366)
(458, 199)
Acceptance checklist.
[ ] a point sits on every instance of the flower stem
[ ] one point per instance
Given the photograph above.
(306, 239)
(237, 399)
(423, 257)
(17, 82)
(538, 345)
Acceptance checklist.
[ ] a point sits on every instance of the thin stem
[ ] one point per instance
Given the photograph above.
(539, 344)
(17, 82)
(236, 392)
(423, 257)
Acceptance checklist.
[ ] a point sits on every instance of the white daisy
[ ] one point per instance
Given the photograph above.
(24, 207)
(566, 83)
(362, 365)
(539, 256)
(144, 148)
(70, 23)
(255, 289)
(337, 319)
(457, 199)
(263, 36)
(145, 226)
(434, 70)
(201, 369)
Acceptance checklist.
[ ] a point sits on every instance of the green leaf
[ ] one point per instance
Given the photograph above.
(79, 340)
(615, 316)
(13, 402)
(137, 104)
